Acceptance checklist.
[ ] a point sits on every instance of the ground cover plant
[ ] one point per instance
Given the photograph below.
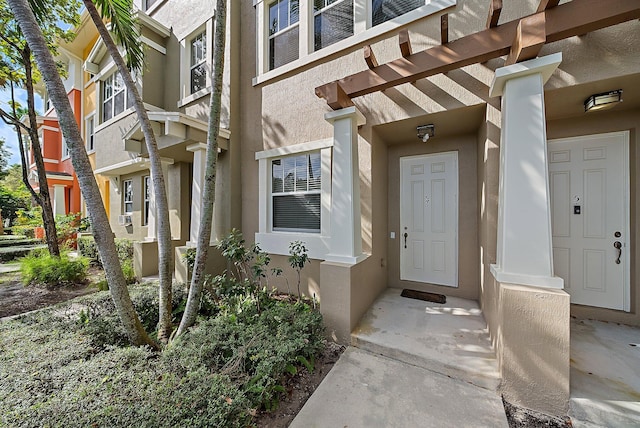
(71, 365)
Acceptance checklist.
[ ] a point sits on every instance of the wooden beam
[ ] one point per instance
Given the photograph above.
(495, 8)
(405, 43)
(530, 38)
(547, 4)
(569, 19)
(335, 95)
(369, 57)
(444, 29)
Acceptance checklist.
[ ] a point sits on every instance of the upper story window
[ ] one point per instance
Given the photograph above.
(296, 193)
(332, 21)
(293, 33)
(89, 131)
(198, 70)
(384, 10)
(149, 3)
(115, 99)
(127, 196)
(283, 32)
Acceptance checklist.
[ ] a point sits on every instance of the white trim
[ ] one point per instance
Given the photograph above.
(59, 177)
(153, 45)
(49, 128)
(296, 148)
(46, 160)
(153, 8)
(125, 167)
(359, 37)
(544, 66)
(523, 279)
(193, 97)
(152, 24)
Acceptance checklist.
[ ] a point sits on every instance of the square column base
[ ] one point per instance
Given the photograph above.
(523, 279)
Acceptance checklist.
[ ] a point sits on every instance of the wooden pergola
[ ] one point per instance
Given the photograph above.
(520, 40)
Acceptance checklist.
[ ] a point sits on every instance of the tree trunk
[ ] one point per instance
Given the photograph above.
(165, 249)
(44, 199)
(209, 191)
(99, 222)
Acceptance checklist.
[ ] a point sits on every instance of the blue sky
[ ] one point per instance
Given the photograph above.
(8, 132)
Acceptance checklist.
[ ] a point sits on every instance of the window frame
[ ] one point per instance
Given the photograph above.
(109, 82)
(64, 152)
(323, 9)
(146, 199)
(201, 63)
(125, 201)
(290, 26)
(277, 241)
(90, 125)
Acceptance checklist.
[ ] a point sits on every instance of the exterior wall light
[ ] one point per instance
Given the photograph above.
(603, 101)
(425, 132)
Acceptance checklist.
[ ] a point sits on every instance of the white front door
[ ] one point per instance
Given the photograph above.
(589, 183)
(429, 218)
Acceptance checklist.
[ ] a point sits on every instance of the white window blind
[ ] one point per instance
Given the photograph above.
(296, 193)
(384, 10)
(198, 62)
(333, 21)
(283, 32)
(127, 192)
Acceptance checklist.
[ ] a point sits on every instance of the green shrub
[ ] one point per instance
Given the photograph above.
(40, 268)
(88, 248)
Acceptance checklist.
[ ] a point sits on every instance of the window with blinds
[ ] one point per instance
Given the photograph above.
(127, 196)
(332, 21)
(384, 10)
(295, 193)
(198, 69)
(283, 32)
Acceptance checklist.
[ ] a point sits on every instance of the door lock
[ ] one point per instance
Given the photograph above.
(618, 246)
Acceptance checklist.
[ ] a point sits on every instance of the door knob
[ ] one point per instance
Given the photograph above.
(405, 239)
(618, 246)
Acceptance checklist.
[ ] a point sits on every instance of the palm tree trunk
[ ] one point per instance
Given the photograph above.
(209, 191)
(100, 223)
(165, 249)
(44, 200)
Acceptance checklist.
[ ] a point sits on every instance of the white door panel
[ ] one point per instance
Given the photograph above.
(588, 179)
(429, 218)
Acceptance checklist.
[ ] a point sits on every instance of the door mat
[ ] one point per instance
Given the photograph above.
(423, 295)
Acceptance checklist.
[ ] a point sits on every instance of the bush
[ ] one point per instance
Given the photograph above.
(55, 369)
(40, 268)
(88, 248)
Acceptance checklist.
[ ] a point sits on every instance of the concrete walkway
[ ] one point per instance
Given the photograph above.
(364, 390)
(605, 375)
(414, 364)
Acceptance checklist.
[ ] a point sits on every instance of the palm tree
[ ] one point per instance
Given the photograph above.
(208, 198)
(123, 27)
(98, 216)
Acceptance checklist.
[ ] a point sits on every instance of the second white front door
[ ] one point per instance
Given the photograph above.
(429, 218)
(588, 179)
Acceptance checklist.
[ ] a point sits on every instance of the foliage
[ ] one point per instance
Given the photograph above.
(4, 157)
(67, 227)
(250, 270)
(11, 202)
(40, 268)
(87, 248)
(297, 259)
(65, 367)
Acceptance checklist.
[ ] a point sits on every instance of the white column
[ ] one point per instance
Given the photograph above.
(58, 199)
(524, 251)
(197, 187)
(346, 233)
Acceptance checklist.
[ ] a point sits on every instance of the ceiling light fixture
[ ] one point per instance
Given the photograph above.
(425, 132)
(603, 101)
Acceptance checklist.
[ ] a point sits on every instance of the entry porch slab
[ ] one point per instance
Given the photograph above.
(451, 338)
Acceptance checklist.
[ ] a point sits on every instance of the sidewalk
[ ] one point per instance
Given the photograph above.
(367, 390)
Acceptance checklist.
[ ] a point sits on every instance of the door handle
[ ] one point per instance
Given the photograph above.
(618, 246)
(405, 239)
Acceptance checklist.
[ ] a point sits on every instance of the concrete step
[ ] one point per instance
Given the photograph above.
(450, 339)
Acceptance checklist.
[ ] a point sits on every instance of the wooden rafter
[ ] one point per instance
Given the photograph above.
(547, 4)
(444, 29)
(405, 43)
(569, 19)
(495, 8)
(530, 38)
(369, 57)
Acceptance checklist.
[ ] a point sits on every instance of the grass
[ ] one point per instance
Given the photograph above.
(70, 366)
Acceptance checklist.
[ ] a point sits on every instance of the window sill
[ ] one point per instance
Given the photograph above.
(114, 119)
(64, 158)
(195, 96)
(433, 7)
(90, 152)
